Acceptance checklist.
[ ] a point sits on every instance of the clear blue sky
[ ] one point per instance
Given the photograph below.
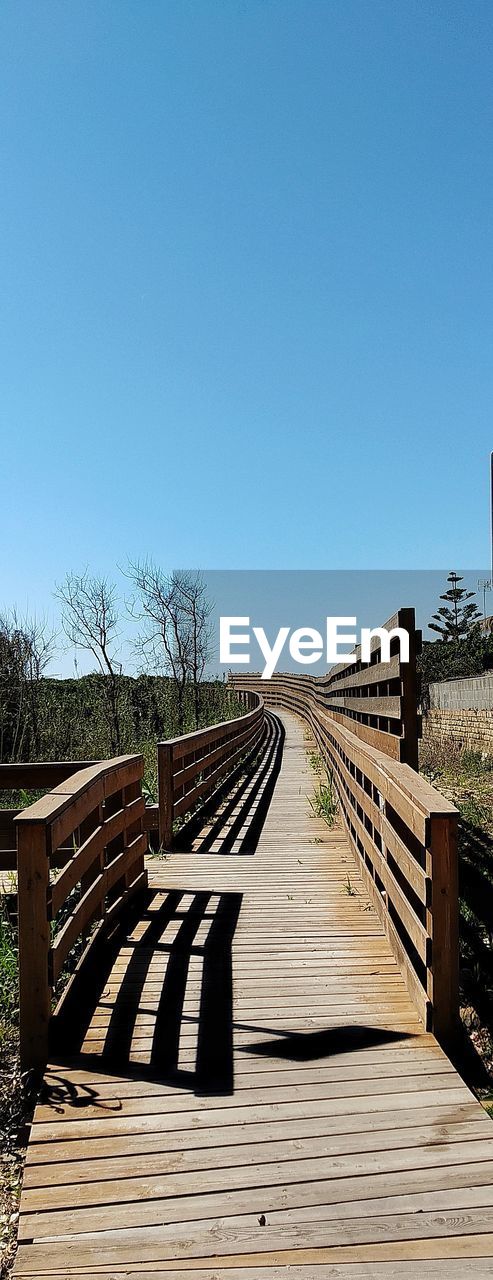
(246, 284)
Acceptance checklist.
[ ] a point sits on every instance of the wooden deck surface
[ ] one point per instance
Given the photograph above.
(254, 1095)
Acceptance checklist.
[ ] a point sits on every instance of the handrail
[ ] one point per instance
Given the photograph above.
(95, 817)
(404, 836)
(29, 776)
(190, 767)
(39, 773)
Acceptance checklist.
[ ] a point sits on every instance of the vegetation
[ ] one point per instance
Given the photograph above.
(90, 620)
(174, 615)
(454, 659)
(454, 620)
(26, 647)
(323, 802)
(463, 648)
(14, 1092)
(107, 712)
(73, 721)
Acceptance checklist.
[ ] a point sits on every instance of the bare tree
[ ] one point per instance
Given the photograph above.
(40, 647)
(26, 647)
(13, 717)
(90, 622)
(175, 636)
(197, 608)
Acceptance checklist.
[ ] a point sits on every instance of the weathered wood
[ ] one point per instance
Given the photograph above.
(100, 810)
(33, 869)
(165, 784)
(91, 902)
(27, 776)
(443, 924)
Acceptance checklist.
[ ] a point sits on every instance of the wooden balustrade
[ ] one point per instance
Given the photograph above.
(190, 768)
(402, 831)
(95, 819)
(22, 776)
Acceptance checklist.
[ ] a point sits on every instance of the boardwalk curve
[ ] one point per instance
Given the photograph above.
(244, 1087)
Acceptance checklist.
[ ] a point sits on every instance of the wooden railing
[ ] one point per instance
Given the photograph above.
(92, 822)
(402, 831)
(378, 701)
(28, 777)
(190, 768)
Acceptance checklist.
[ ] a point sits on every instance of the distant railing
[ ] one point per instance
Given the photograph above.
(191, 767)
(92, 822)
(378, 700)
(403, 832)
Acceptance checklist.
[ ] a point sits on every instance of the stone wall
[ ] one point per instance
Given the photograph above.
(462, 710)
(468, 727)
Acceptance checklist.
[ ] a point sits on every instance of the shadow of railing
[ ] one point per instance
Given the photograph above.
(159, 993)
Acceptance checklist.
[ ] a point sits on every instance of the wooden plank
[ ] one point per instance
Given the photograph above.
(88, 905)
(165, 785)
(191, 798)
(36, 776)
(34, 943)
(443, 922)
(368, 676)
(90, 849)
(203, 737)
(388, 706)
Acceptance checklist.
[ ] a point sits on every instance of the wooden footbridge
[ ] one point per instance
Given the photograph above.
(247, 1074)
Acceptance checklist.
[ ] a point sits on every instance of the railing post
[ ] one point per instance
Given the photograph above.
(33, 874)
(443, 926)
(165, 793)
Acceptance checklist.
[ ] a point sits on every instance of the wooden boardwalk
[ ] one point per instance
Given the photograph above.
(254, 1095)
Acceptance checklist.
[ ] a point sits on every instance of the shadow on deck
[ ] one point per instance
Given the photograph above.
(117, 1015)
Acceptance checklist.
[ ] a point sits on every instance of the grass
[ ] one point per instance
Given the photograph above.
(316, 762)
(323, 802)
(442, 758)
(9, 995)
(14, 1095)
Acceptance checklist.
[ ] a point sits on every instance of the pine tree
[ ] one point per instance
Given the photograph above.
(455, 619)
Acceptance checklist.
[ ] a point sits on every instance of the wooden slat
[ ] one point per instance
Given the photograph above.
(34, 943)
(377, 673)
(89, 850)
(390, 707)
(83, 913)
(191, 797)
(38, 775)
